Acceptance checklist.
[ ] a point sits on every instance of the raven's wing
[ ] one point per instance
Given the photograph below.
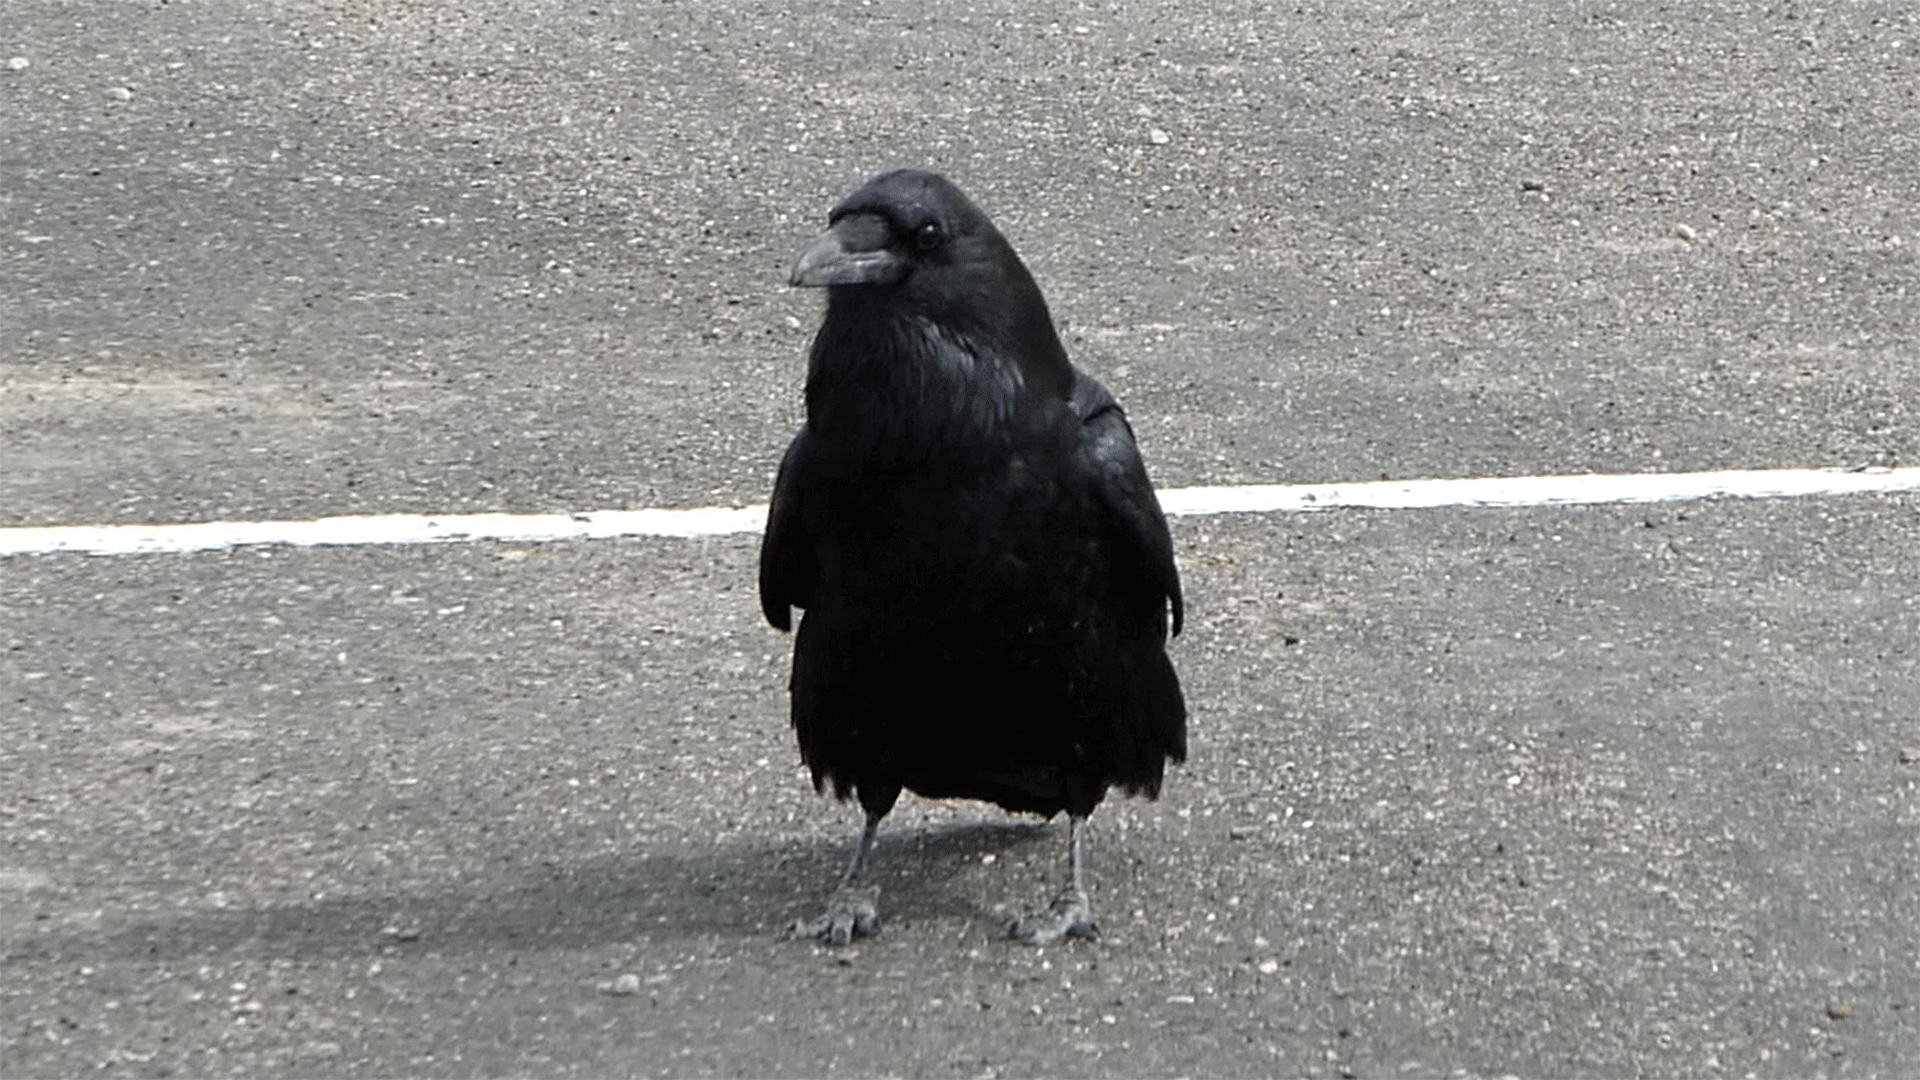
(1120, 482)
(787, 566)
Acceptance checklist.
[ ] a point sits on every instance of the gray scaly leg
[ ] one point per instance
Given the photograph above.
(853, 909)
(1071, 913)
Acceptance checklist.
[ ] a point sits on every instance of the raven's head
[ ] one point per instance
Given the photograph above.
(910, 243)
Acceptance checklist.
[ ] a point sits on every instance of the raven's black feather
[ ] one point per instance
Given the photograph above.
(965, 519)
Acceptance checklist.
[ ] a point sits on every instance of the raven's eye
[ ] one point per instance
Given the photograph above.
(928, 237)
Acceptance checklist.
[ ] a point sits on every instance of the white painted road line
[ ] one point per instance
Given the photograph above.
(1517, 491)
(380, 529)
(1588, 488)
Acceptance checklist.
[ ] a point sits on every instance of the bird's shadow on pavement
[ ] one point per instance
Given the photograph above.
(928, 870)
(734, 888)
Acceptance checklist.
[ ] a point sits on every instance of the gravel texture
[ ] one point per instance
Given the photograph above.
(1594, 791)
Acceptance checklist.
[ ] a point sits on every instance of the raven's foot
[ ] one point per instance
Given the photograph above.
(852, 912)
(1070, 915)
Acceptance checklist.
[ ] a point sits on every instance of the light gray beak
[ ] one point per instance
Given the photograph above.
(855, 251)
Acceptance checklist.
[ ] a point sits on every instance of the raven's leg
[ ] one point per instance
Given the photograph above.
(853, 909)
(1071, 913)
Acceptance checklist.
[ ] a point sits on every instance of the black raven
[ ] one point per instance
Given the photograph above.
(985, 570)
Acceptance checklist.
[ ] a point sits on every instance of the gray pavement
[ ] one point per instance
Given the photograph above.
(1599, 791)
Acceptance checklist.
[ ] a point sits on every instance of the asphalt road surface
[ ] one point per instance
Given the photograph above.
(1592, 791)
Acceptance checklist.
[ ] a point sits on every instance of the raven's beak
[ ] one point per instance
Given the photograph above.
(853, 252)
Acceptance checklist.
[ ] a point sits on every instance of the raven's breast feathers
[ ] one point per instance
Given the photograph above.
(967, 521)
